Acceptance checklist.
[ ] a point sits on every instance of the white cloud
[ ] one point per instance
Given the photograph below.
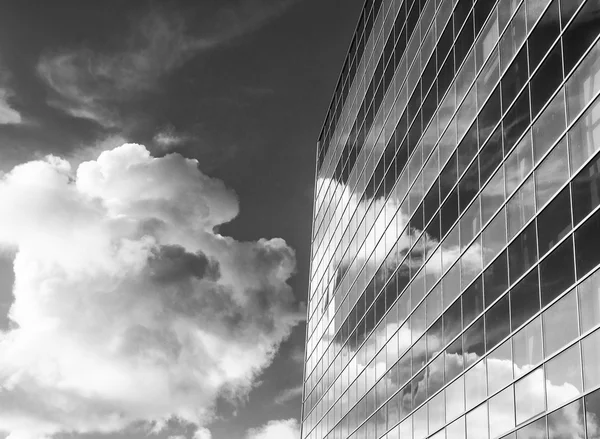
(285, 429)
(129, 306)
(289, 394)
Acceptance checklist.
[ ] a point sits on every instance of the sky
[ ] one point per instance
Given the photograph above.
(156, 183)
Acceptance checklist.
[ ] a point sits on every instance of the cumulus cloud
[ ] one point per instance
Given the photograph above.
(90, 85)
(128, 304)
(285, 429)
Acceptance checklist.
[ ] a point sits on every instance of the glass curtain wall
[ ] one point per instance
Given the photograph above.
(455, 268)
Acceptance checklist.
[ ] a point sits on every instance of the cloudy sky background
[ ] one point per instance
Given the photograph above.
(155, 197)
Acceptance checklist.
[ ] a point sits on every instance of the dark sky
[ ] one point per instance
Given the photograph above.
(242, 86)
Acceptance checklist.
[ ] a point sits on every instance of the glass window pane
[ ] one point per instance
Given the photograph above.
(560, 323)
(529, 396)
(579, 34)
(545, 33)
(455, 399)
(502, 412)
(477, 423)
(436, 412)
(492, 196)
(500, 367)
(521, 207)
(537, 430)
(472, 302)
(584, 136)
(591, 360)
(497, 322)
(494, 237)
(549, 126)
(589, 302)
(522, 252)
(516, 120)
(584, 83)
(546, 79)
(527, 347)
(485, 84)
(554, 222)
(567, 421)
(552, 173)
(513, 37)
(586, 190)
(491, 154)
(586, 239)
(563, 377)
(456, 430)
(514, 79)
(592, 414)
(476, 384)
(518, 164)
(474, 342)
(496, 279)
(557, 272)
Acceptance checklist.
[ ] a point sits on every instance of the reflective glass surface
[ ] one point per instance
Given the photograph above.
(455, 277)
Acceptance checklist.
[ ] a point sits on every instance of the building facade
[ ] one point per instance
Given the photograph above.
(455, 265)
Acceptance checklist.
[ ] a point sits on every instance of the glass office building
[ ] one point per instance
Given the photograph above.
(455, 265)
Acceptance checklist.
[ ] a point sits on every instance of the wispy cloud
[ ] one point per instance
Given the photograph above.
(284, 429)
(168, 138)
(8, 114)
(91, 85)
(288, 395)
(128, 304)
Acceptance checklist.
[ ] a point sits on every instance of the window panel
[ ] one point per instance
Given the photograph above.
(563, 375)
(579, 34)
(591, 359)
(499, 375)
(560, 323)
(491, 155)
(492, 195)
(502, 412)
(537, 429)
(495, 279)
(477, 421)
(476, 384)
(522, 252)
(552, 173)
(544, 34)
(586, 239)
(494, 237)
(554, 222)
(558, 428)
(529, 396)
(513, 37)
(557, 272)
(497, 322)
(586, 190)
(583, 85)
(549, 126)
(546, 79)
(527, 347)
(584, 136)
(515, 78)
(521, 207)
(456, 430)
(589, 302)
